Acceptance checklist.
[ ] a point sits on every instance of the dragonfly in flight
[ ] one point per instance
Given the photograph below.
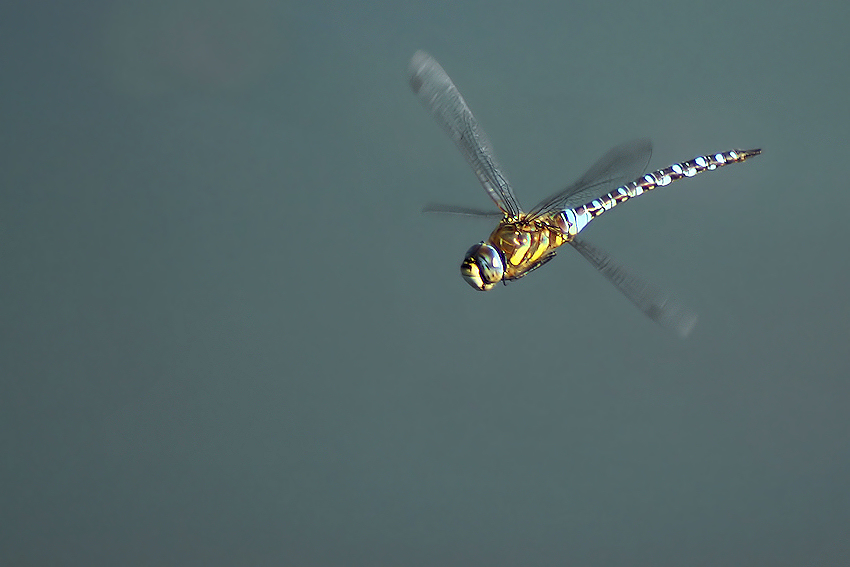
(524, 241)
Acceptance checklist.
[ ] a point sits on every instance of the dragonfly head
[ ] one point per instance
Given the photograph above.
(483, 266)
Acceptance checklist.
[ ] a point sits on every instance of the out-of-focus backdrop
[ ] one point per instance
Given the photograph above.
(229, 336)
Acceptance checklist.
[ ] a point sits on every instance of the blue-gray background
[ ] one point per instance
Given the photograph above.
(229, 337)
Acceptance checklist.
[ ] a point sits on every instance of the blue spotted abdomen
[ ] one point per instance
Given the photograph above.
(571, 221)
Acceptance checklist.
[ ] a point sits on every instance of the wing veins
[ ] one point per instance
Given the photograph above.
(617, 167)
(443, 100)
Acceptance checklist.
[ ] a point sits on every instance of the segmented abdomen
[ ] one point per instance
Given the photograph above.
(572, 221)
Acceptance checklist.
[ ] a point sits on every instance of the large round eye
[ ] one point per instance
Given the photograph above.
(483, 267)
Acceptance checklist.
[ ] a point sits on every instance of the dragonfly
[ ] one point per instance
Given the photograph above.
(525, 240)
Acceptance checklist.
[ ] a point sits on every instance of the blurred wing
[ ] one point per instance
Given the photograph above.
(620, 165)
(440, 96)
(654, 303)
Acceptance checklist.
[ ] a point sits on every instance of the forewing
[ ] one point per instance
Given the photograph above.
(654, 303)
(460, 211)
(620, 165)
(439, 95)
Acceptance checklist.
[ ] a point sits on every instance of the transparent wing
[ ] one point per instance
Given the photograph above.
(460, 211)
(653, 302)
(440, 96)
(620, 165)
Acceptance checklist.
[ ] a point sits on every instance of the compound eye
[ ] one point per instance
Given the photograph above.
(483, 267)
(470, 272)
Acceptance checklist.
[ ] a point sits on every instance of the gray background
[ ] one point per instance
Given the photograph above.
(229, 337)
